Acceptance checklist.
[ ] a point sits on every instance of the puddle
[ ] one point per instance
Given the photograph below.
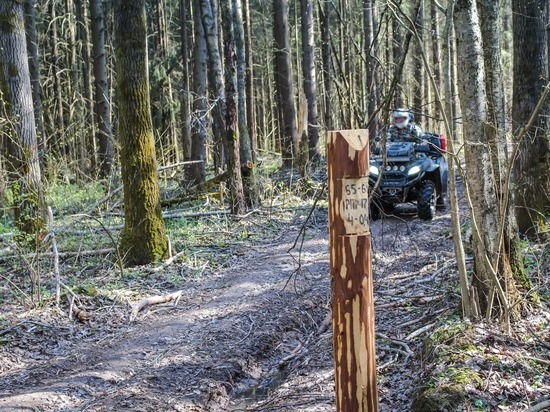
(258, 392)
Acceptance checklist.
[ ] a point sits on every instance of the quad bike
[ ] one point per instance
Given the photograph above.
(410, 171)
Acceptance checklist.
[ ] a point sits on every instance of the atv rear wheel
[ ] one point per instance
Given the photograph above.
(427, 201)
(441, 203)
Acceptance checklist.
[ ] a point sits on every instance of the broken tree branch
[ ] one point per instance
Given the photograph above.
(154, 300)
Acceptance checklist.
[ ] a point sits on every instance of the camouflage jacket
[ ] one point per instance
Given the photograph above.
(411, 133)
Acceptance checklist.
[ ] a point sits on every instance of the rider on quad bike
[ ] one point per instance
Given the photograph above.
(404, 129)
(412, 169)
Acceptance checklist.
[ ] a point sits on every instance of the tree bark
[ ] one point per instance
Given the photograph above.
(215, 78)
(511, 263)
(418, 93)
(34, 69)
(436, 61)
(143, 239)
(101, 85)
(480, 178)
(197, 171)
(310, 80)
(327, 61)
(249, 79)
(231, 142)
(185, 114)
(248, 168)
(284, 81)
(371, 66)
(15, 87)
(530, 76)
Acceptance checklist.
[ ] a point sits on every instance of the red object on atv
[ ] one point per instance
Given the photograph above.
(443, 142)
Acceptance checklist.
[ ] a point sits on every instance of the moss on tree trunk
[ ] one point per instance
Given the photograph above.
(143, 239)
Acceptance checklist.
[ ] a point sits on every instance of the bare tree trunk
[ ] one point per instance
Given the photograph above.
(418, 93)
(327, 61)
(284, 80)
(143, 239)
(34, 69)
(435, 60)
(371, 66)
(397, 52)
(58, 125)
(480, 187)
(449, 115)
(215, 78)
(247, 165)
(15, 87)
(88, 144)
(197, 171)
(511, 263)
(102, 96)
(530, 76)
(232, 123)
(310, 80)
(185, 115)
(249, 79)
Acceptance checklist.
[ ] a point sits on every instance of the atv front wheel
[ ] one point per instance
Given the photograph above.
(427, 201)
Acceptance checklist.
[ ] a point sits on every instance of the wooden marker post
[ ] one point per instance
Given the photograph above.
(351, 271)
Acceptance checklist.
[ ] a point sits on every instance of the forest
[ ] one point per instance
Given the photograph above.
(167, 210)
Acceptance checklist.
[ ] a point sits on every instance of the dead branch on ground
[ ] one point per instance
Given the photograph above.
(154, 300)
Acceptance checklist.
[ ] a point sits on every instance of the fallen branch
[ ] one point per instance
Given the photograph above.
(190, 162)
(154, 300)
(539, 406)
(167, 262)
(195, 214)
(420, 331)
(61, 255)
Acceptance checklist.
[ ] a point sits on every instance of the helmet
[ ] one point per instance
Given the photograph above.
(401, 118)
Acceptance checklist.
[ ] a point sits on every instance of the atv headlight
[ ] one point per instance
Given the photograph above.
(414, 170)
(373, 170)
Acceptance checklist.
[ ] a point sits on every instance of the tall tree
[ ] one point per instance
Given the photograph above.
(57, 118)
(102, 103)
(324, 15)
(436, 61)
(185, 114)
(531, 74)
(491, 30)
(88, 142)
(418, 93)
(245, 142)
(250, 97)
(369, 18)
(16, 97)
(197, 171)
(284, 81)
(481, 192)
(34, 69)
(143, 239)
(231, 142)
(310, 79)
(397, 53)
(215, 77)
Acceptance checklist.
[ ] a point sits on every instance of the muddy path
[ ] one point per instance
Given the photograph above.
(251, 335)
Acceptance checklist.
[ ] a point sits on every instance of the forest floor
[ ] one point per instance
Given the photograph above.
(251, 330)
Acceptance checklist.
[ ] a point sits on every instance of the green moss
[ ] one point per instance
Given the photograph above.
(10, 22)
(13, 71)
(447, 398)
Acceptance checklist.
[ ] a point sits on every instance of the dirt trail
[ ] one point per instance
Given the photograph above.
(242, 338)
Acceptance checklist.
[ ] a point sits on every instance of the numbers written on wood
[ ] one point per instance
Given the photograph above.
(354, 206)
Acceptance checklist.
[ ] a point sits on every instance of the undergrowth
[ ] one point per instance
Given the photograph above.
(203, 236)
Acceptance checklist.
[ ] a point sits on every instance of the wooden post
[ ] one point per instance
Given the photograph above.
(351, 271)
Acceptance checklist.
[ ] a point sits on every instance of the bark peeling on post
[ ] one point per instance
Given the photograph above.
(351, 271)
